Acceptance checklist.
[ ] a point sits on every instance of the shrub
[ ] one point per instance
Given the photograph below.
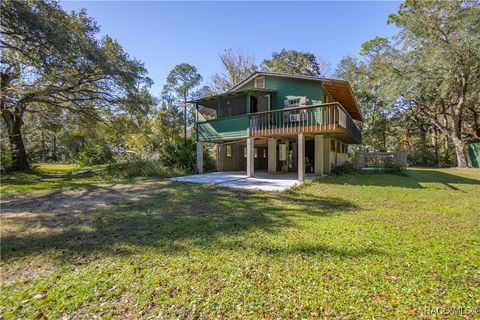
(142, 168)
(6, 161)
(394, 167)
(179, 155)
(346, 168)
(94, 153)
(132, 169)
(183, 155)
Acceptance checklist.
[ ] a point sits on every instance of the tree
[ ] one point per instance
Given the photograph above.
(180, 88)
(295, 62)
(237, 66)
(52, 60)
(377, 111)
(434, 66)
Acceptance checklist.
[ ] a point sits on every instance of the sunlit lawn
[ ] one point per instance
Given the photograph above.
(359, 246)
(49, 177)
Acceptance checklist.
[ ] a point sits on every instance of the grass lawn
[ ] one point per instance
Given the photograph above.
(357, 246)
(59, 177)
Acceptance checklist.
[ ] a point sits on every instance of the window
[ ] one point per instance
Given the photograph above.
(260, 82)
(233, 106)
(255, 152)
(264, 152)
(229, 151)
(244, 152)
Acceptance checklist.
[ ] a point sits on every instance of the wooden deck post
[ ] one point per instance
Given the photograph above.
(200, 157)
(250, 157)
(319, 155)
(301, 156)
(272, 155)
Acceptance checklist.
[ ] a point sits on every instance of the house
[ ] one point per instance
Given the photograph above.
(280, 123)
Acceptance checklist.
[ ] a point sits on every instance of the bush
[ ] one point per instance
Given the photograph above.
(391, 166)
(94, 153)
(179, 155)
(133, 169)
(142, 168)
(6, 161)
(346, 168)
(182, 155)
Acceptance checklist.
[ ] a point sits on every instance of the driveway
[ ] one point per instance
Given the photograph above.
(238, 179)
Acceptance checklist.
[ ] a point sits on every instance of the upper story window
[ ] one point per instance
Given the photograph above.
(260, 82)
(233, 106)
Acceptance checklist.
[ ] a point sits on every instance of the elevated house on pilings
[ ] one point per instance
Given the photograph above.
(280, 123)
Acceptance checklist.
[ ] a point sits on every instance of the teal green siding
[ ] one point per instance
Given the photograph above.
(223, 129)
(248, 85)
(293, 87)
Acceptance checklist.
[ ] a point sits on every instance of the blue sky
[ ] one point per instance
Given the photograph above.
(163, 34)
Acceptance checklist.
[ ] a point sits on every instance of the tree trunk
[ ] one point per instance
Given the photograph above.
(459, 150)
(185, 117)
(17, 147)
(434, 141)
(423, 143)
(185, 121)
(43, 146)
(55, 156)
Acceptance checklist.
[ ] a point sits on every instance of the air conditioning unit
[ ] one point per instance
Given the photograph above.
(294, 117)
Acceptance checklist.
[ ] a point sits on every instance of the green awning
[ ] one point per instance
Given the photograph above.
(294, 97)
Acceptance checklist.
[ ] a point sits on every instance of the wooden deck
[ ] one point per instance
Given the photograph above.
(325, 118)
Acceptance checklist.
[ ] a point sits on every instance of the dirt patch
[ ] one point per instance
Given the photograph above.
(78, 200)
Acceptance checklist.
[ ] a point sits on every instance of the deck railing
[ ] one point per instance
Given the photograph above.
(328, 117)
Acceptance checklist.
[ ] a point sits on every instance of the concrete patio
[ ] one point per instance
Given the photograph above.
(238, 179)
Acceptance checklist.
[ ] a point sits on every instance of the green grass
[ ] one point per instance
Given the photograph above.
(46, 177)
(357, 246)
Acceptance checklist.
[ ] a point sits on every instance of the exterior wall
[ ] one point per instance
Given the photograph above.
(326, 155)
(292, 87)
(337, 158)
(238, 161)
(341, 158)
(235, 163)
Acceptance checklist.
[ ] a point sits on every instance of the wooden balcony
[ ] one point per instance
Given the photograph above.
(329, 118)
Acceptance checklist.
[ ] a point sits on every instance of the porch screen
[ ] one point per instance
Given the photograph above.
(233, 106)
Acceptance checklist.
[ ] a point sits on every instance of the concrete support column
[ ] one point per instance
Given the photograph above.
(219, 158)
(250, 157)
(301, 156)
(319, 155)
(327, 164)
(272, 155)
(199, 157)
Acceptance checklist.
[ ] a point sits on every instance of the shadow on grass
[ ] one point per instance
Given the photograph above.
(320, 249)
(33, 180)
(169, 217)
(414, 179)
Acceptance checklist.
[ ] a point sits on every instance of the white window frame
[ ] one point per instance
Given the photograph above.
(263, 80)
